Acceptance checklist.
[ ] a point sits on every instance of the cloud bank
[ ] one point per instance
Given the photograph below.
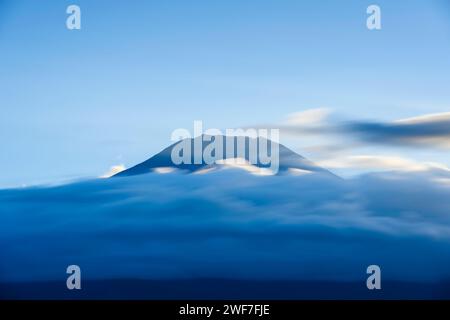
(229, 224)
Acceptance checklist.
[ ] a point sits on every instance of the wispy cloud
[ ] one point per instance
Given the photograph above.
(310, 117)
(430, 130)
(380, 162)
(363, 144)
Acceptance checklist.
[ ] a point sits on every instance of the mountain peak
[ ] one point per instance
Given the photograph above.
(236, 151)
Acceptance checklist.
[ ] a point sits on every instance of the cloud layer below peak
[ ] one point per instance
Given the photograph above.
(230, 224)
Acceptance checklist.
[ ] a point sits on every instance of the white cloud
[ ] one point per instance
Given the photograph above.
(241, 163)
(311, 117)
(426, 118)
(164, 170)
(377, 162)
(298, 172)
(113, 170)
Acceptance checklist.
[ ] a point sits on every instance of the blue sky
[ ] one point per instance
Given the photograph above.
(74, 103)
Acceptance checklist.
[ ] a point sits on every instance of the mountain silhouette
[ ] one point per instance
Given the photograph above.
(289, 161)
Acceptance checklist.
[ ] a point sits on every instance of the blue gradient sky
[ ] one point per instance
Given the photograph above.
(74, 103)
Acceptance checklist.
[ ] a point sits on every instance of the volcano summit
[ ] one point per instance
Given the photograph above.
(205, 153)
